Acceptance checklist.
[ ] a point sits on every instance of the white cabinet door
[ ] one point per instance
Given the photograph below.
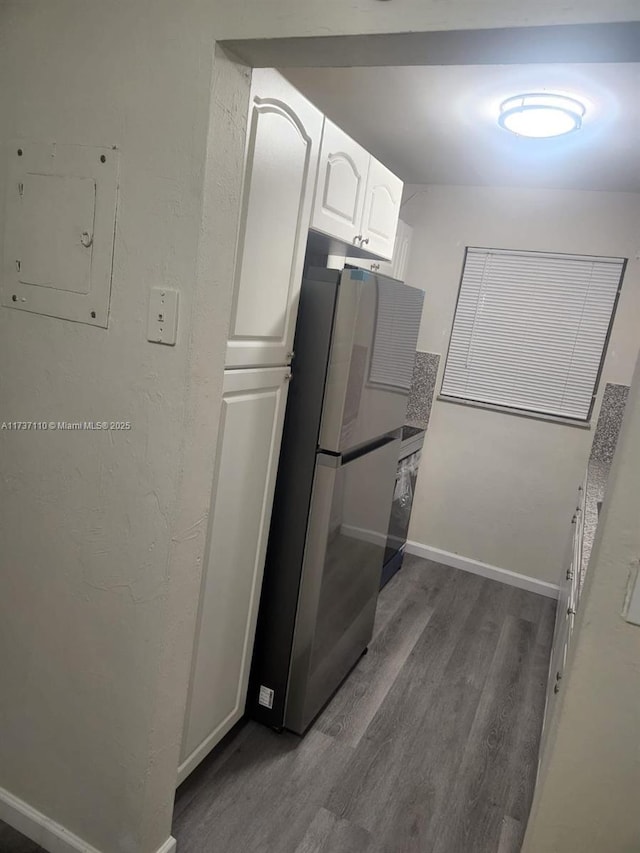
(397, 268)
(340, 190)
(246, 462)
(381, 210)
(401, 251)
(283, 144)
(562, 630)
(381, 267)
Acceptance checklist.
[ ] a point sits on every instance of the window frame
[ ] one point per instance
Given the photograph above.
(536, 414)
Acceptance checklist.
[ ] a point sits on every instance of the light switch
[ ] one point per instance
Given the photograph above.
(162, 323)
(633, 604)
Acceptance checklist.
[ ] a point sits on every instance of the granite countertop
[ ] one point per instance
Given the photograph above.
(604, 444)
(423, 386)
(597, 476)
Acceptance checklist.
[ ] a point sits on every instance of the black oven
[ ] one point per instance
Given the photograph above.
(406, 476)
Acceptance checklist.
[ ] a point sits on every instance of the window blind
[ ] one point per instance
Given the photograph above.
(397, 326)
(530, 330)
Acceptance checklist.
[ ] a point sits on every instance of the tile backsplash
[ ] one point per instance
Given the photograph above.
(423, 386)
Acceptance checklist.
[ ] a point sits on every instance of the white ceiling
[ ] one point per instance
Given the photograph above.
(438, 124)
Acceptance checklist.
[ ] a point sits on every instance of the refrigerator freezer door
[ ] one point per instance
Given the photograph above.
(346, 540)
(372, 357)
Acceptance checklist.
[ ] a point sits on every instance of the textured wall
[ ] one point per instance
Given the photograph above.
(102, 534)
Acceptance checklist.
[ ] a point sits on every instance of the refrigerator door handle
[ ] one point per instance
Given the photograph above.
(336, 460)
(368, 448)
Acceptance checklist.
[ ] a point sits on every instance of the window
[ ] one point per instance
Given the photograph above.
(530, 330)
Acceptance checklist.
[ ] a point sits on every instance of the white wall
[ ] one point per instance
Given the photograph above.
(495, 487)
(102, 535)
(277, 18)
(587, 801)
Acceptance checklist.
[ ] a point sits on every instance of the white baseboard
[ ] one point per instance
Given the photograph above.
(46, 832)
(467, 564)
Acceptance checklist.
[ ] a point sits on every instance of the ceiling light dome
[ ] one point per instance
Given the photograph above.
(539, 115)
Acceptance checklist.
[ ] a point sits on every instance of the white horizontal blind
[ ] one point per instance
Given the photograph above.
(530, 329)
(397, 326)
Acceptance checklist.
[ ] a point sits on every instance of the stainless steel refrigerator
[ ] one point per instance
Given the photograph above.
(354, 348)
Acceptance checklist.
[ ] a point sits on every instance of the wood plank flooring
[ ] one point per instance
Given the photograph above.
(12, 842)
(430, 746)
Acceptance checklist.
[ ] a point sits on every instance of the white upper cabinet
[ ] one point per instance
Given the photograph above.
(341, 188)
(283, 144)
(381, 210)
(401, 251)
(397, 267)
(357, 199)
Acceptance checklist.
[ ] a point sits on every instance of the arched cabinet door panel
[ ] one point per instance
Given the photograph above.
(341, 187)
(381, 210)
(283, 144)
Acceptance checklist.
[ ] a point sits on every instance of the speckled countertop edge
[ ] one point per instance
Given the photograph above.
(597, 477)
(604, 443)
(423, 385)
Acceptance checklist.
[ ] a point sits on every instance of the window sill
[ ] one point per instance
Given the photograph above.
(522, 413)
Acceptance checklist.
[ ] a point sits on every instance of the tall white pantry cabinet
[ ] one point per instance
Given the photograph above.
(293, 154)
(283, 144)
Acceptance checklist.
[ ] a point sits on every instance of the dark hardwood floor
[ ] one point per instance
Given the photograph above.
(12, 842)
(430, 746)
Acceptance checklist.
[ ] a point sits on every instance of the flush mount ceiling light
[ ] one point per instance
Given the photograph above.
(539, 115)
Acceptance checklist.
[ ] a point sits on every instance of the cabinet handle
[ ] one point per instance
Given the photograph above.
(556, 688)
(558, 676)
(364, 240)
(358, 239)
(571, 611)
(375, 266)
(569, 575)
